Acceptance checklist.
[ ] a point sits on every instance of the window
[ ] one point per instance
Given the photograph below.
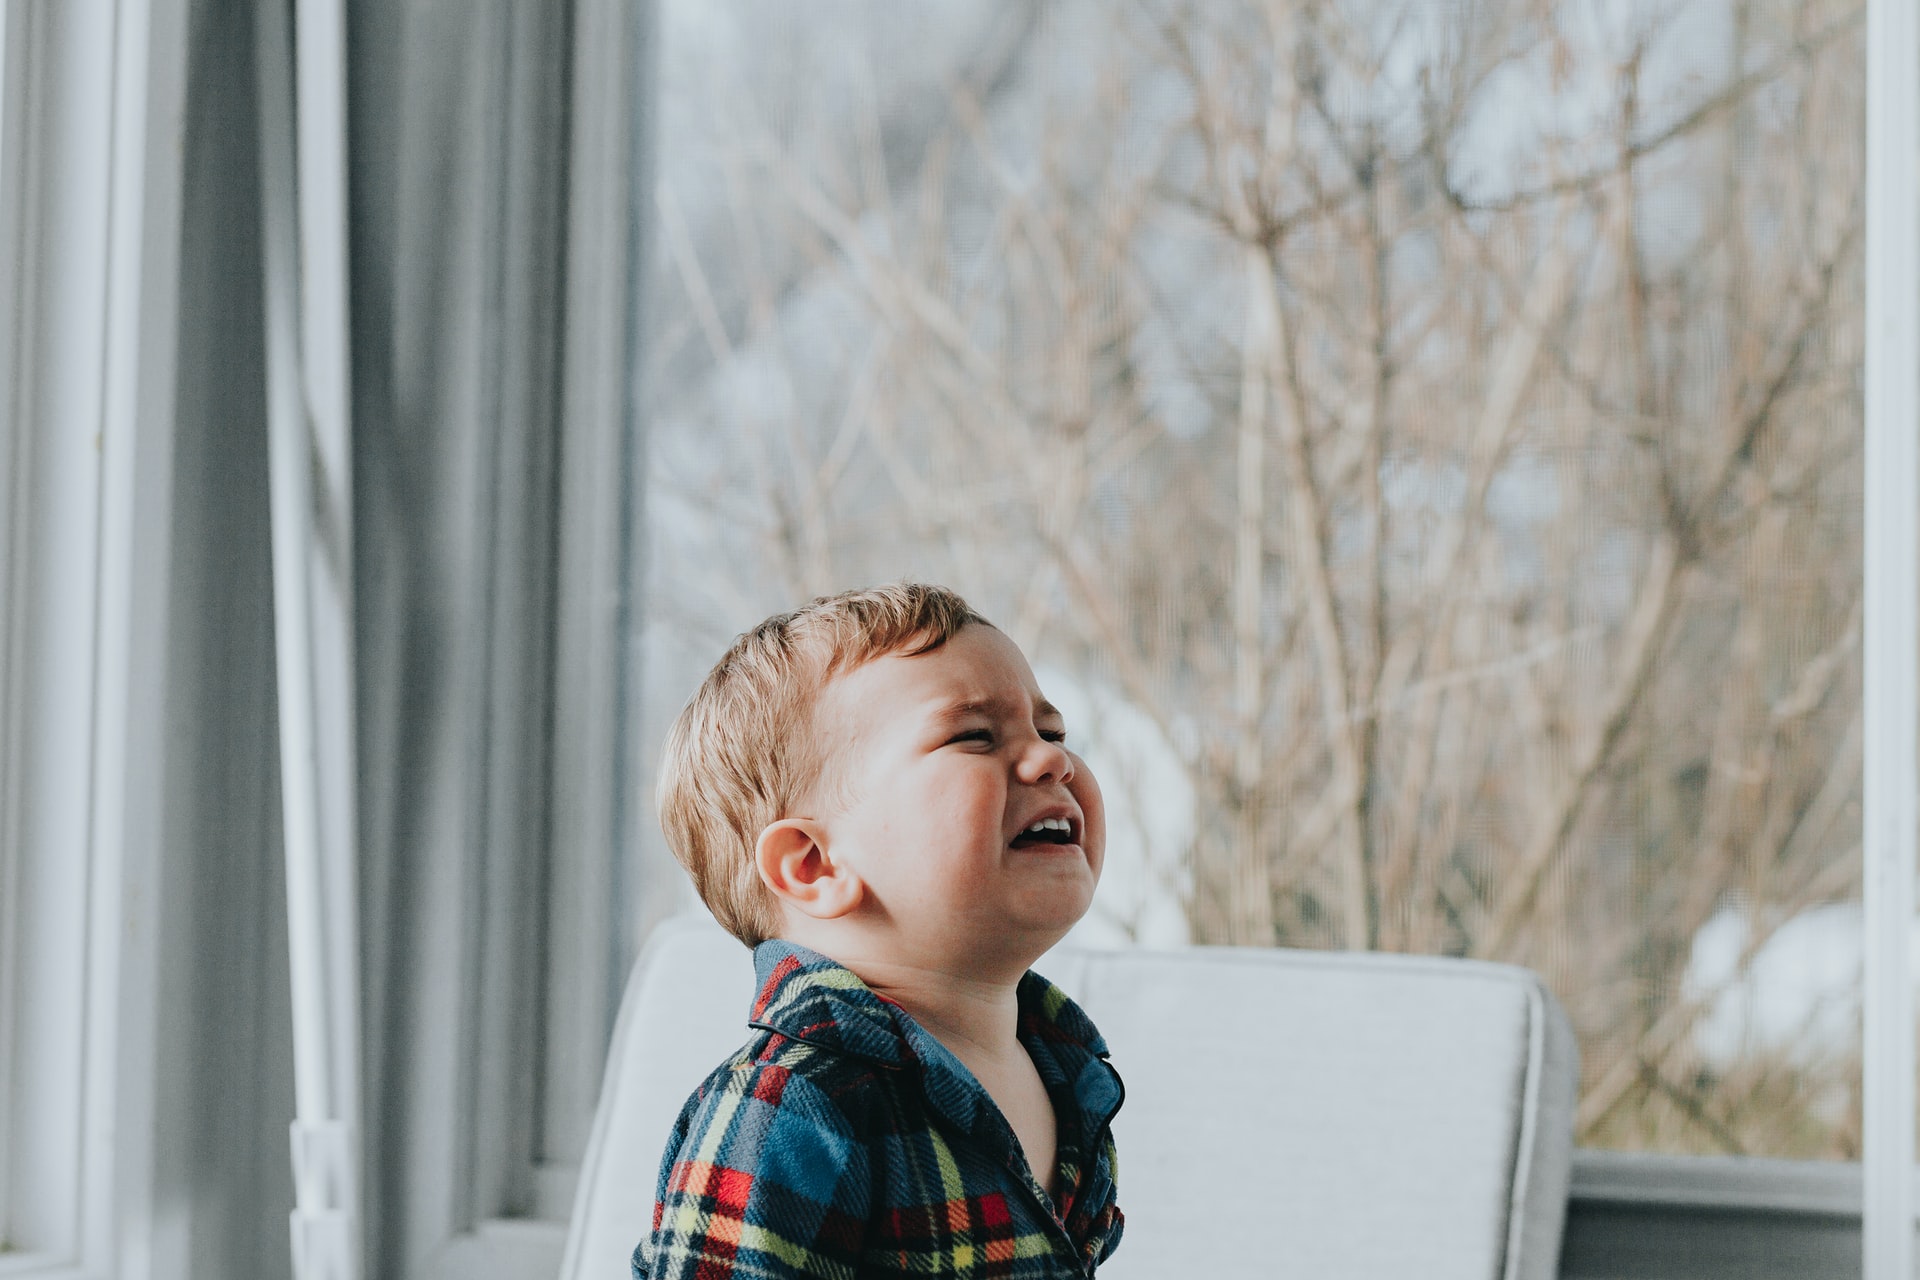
(1428, 436)
(1419, 444)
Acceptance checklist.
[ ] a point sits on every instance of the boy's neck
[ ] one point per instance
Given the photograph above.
(969, 1013)
(972, 1008)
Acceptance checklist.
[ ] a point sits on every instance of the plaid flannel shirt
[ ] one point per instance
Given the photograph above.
(845, 1141)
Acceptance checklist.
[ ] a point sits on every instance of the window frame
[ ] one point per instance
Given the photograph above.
(1891, 637)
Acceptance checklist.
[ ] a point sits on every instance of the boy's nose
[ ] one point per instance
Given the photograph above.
(1045, 761)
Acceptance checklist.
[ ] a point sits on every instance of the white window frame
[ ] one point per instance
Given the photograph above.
(91, 98)
(1891, 634)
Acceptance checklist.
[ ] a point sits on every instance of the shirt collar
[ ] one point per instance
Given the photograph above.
(805, 996)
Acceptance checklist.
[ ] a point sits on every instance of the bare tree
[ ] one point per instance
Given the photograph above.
(1473, 499)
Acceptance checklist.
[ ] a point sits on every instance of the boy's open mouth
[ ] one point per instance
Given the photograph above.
(1045, 831)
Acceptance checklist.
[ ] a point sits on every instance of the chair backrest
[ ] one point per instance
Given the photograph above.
(1288, 1113)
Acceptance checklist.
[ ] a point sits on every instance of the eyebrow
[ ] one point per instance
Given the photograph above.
(954, 711)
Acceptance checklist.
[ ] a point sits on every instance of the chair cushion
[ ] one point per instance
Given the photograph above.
(1288, 1113)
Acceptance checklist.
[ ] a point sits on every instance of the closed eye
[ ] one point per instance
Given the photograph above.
(986, 735)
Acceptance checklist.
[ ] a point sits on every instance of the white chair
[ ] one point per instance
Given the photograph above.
(1288, 1113)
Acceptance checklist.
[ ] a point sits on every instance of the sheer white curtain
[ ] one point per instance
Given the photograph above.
(91, 98)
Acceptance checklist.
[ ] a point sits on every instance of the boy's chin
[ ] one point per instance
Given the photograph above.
(1011, 941)
(1043, 928)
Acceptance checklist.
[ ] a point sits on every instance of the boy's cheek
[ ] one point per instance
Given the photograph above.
(1082, 775)
(1093, 811)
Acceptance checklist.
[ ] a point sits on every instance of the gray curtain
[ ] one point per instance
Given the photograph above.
(498, 164)
(228, 1054)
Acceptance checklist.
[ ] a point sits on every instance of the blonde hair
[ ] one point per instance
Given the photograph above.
(740, 754)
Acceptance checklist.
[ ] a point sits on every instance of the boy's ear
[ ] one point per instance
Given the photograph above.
(791, 856)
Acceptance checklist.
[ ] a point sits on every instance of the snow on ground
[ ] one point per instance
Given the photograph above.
(1799, 996)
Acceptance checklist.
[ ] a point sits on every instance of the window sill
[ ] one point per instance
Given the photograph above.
(1812, 1188)
(503, 1249)
(41, 1266)
(1705, 1217)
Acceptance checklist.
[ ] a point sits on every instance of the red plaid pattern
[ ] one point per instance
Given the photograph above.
(844, 1141)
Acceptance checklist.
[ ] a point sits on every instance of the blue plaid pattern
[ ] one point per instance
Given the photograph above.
(845, 1141)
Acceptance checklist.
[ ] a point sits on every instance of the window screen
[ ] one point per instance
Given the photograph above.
(1417, 444)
